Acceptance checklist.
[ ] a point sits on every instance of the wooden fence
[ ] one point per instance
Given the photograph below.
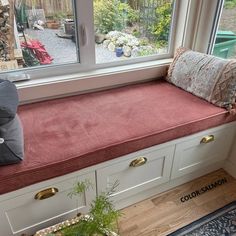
(147, 14)
(51, 7)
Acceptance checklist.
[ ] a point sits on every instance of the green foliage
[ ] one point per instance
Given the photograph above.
(102, 210)
(229, 4)
(102, 215)
(143, 42)
(128, 14)
(29, 58)
(112, 15)
(59, 15)
(80, 188)
(104, 15)
(136, 33)
(161, 27)
(146, 52)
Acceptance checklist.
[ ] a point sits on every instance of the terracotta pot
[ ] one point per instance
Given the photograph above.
(53, 24)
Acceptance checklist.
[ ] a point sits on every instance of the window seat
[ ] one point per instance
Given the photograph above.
(68, 134)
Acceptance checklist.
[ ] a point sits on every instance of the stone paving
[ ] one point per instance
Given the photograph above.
(64, 50)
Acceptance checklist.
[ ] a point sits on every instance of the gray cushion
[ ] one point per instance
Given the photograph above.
(11, 142)
(8, 101)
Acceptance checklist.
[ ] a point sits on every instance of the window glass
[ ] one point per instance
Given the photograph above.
(36, 33)
(131, 28)
(42, 33)
(225, 43)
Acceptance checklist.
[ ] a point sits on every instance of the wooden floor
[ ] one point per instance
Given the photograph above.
(165, 213)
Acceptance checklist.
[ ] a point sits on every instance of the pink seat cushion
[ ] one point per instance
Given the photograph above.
(69, 134)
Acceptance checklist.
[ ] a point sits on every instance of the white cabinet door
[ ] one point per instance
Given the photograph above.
(25, 214)
(192, 154)
(134, 180)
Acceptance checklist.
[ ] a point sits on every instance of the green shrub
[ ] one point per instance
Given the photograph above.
(129, 15)
(143, 41)
(136, 33)
(229, 4)
(104, 15)
(112, 15)
(161, 27)
(146, 51)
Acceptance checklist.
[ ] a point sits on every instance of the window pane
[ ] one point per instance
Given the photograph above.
(226, 35)
(131, 28)
(36, 33)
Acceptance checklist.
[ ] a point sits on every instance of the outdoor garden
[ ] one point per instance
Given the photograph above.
(123, 29)
(133, 28)
(43, 32)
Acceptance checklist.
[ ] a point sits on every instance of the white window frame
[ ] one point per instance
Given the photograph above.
(69, 81)
(207, 24)
(215, 27)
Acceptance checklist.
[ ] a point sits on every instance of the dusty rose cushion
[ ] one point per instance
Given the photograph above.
(206, 76)
(69, 134)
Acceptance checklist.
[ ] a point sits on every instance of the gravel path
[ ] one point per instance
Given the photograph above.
(64, 50)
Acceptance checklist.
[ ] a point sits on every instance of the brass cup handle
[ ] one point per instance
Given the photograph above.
(46, 193)
(138, 162)
(207, 139)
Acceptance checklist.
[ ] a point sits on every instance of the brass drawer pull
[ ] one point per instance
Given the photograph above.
(207, 139)
(46, 193)
(138, 162)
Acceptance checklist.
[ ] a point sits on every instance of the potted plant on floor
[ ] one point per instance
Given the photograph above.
(102, 219)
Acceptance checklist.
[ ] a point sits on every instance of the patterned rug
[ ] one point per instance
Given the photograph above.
(221, 222)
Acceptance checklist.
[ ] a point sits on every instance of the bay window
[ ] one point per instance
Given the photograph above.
(44, 34)
(64, 47)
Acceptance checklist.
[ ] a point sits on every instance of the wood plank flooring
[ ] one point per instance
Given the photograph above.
(165, 213)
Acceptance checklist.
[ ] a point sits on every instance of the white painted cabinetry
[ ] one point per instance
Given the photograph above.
(140, 175)
(136, 172)
(201, 150)
(22, 213)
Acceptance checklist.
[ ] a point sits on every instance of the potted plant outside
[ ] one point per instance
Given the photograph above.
(119, 51)
(52, 24)
(56, 20)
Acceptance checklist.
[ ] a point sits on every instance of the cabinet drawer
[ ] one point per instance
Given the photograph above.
(25, 214)
(133, 180)
(193, 154)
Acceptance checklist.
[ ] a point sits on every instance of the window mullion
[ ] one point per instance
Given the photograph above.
(215, 26)
(205, 23)
(85, 32)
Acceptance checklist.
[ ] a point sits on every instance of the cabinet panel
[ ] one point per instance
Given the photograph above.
(196, 153)
(133, 180)
(25, 214)
(149, 172)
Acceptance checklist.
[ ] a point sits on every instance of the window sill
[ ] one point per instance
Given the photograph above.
(71, 84)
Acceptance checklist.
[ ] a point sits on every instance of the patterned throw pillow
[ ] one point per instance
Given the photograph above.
(206, 76)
